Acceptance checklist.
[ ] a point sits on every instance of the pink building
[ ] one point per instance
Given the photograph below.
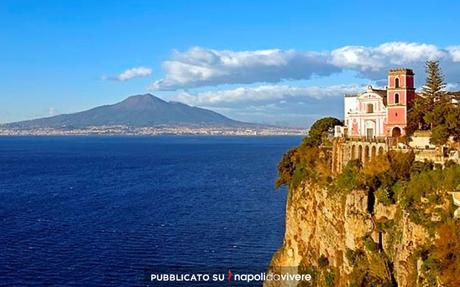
(380, 113)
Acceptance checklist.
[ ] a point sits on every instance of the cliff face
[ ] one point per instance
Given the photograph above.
(347, 239)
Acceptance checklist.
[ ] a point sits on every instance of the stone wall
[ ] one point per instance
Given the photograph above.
(345, 150)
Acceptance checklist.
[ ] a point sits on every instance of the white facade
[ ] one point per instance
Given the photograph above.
(365, 114)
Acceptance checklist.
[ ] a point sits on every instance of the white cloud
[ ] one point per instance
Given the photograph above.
(455, 53)
(199, 67)
(203, 67)
(384, 56)
(272, 97)
(374, 62)
(274, 104)
(130, 74)
(262, 95)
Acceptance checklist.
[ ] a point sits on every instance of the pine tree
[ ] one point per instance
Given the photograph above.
(433, 90)
(436, 98)
(424, 111)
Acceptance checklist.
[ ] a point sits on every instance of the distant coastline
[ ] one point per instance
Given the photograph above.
(155, 131)
(144, 115)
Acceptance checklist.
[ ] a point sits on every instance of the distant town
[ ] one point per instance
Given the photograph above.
(153, 131)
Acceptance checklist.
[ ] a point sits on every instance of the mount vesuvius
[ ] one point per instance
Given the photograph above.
(135, 111)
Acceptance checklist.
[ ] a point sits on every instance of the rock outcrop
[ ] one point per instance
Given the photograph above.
(342, 238)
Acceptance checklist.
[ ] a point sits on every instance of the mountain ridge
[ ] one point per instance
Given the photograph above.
(145, 110)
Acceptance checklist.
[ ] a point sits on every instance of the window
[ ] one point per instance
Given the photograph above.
(396, 98)
(396, 83)
(370, 108)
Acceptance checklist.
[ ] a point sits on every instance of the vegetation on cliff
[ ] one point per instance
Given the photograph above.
(402, 194)
(434, 110)
(407, 208)
(418, 189)
(309, 159)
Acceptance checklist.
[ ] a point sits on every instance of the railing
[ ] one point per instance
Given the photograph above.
(370, 139)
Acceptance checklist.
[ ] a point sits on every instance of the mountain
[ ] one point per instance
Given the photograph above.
(135, 111)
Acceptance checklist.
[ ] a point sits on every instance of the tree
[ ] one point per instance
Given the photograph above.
(286, 168)
(453, 122)
(434, 86)
(445, 119)
(427, 110)
(400, 164)
(439, 135)
(319, 130)
(415, 117)
(435, 109)
(435, 96)
(307, 160)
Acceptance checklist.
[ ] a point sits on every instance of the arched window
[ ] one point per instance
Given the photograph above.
(396, 82)
(370, 108)
(396, 98)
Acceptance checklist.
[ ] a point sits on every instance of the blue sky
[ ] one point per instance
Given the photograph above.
(284, 62)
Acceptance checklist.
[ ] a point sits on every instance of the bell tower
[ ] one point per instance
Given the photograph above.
(400, 93)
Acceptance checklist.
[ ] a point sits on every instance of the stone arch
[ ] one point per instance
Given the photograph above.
(353, 152)
(366, 153)
(360, 152)
(381, 150)
(373, 152)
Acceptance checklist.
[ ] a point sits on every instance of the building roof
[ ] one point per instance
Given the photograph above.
(401, 70)
(370, 89)
(381, 93)
(455, 94)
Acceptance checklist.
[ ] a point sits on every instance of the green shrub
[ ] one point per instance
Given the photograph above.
(450, 163)
(385, 196)
(353, 256)
(329, 278)
(370, 244)
(286, 168)
(320, 130)
(349, 178)
(421, 166)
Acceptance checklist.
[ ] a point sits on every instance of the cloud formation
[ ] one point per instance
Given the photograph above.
(207, 67)
(381, 57)
(282, 105)
(199, 67)
(130, 74)
(263, 95)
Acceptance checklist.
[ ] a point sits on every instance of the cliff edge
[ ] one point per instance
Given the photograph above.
(385, 221)
(340, 243)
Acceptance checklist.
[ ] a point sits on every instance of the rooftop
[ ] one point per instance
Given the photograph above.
(402, 70)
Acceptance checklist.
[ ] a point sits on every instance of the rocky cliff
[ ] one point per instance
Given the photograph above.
(348, 239)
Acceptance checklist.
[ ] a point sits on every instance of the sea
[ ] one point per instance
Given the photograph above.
(111, 210)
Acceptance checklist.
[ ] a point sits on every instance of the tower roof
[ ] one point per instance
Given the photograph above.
(400, 71)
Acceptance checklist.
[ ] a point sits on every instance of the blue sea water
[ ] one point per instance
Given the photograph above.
(98, 211)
